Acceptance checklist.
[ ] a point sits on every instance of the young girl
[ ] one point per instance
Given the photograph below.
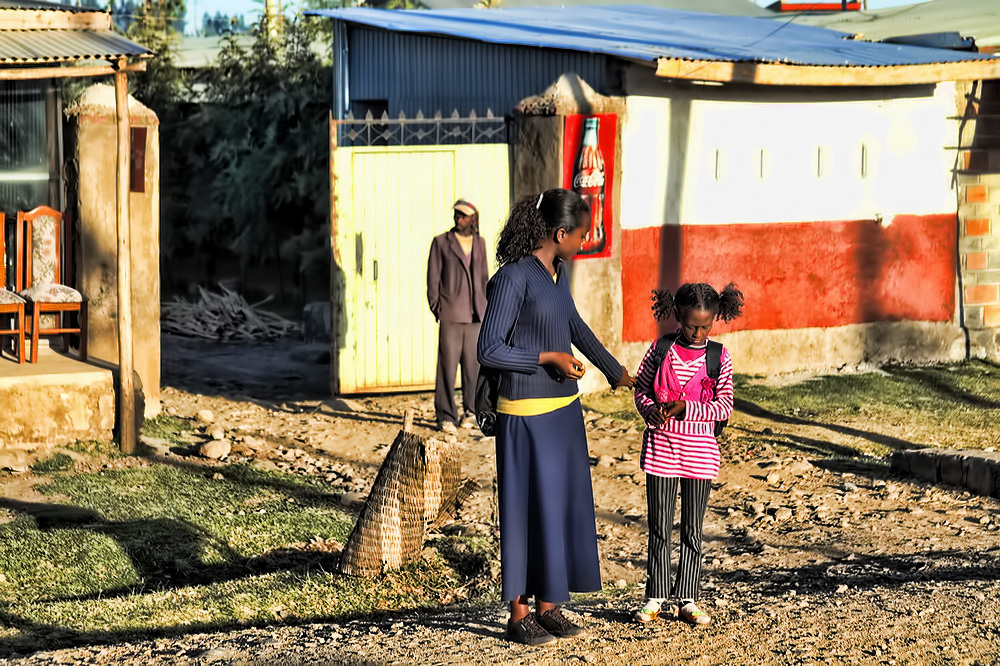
(680, 401)
(548, 535)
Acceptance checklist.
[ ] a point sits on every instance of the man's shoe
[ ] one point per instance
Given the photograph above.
(448, 427)
(527, 631)
(554, 622)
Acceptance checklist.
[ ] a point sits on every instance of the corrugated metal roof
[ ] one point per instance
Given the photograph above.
(41, 5)
(979, 19)
(649, 33)
(726, 7)
(48, 46)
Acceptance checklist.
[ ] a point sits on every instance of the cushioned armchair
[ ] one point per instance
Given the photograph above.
(48, 302)
(11, 305)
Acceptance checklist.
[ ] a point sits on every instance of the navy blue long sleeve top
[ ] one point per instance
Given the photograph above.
(546, 320)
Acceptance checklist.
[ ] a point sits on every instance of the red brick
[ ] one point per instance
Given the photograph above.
(991, 316)
(982, 293)
(975, 194)
(976, 261)
(979, 226)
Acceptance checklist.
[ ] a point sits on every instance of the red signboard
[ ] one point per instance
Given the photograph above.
(589, 169)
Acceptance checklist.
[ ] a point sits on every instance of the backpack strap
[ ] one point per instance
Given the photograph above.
(662, 347)
(713, 359)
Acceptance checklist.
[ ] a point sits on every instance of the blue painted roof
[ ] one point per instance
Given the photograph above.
(647, 33)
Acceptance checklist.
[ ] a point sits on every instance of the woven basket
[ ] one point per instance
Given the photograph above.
(414, 481)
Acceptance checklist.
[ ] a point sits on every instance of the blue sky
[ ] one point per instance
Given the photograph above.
(251, 8)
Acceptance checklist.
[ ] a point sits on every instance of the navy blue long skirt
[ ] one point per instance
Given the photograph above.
(548, 535)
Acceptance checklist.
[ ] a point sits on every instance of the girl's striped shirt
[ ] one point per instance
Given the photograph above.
(684, 448)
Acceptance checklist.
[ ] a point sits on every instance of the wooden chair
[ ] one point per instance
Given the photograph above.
(47, 299)
(11, 305)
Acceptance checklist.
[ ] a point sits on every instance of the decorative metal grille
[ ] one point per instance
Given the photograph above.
(421, 131)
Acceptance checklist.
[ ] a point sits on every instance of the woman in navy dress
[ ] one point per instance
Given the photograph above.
(548, 534)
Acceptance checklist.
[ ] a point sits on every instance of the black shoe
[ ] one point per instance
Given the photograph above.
(527, 631)
(555, 623)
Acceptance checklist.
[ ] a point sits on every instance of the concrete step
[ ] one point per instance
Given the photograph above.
(58, 400)
(975, 470)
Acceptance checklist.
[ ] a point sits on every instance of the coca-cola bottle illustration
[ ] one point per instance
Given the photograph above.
(588, 182)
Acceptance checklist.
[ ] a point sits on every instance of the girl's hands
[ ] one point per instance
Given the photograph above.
(665, 411)
(564, 363)
(674, 409)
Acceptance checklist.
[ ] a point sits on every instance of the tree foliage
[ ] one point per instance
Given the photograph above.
(244, 152)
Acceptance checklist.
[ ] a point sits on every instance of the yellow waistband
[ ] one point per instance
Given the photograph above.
(533, 406)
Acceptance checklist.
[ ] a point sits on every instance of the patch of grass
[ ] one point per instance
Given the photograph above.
(616, 404)
(95, 448)
(165, 426)
(141, 551)
(58, 462)
(949, 405)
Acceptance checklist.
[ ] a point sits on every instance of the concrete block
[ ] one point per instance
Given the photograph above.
(56, 401)
(923, 465)
(951, 469)
(983, 477)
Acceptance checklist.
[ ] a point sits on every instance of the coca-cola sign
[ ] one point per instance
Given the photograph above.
(588, 169)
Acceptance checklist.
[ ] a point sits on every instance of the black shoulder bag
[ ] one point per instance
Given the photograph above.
(488, 393)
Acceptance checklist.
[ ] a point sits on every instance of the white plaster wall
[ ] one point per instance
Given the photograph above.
(699, 158)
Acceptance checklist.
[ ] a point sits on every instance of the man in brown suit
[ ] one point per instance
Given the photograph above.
(456, 292)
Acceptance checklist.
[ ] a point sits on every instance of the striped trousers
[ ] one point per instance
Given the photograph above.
(661, 497)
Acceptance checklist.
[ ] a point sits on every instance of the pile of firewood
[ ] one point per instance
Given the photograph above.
(223, 316)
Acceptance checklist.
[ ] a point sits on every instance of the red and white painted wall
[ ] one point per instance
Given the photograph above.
(834, 212)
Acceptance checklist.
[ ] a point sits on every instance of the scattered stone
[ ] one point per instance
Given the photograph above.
(605, 461)
(215, 449)
(352, 499)
(218, 477)
(205, 416)
(621, 583)
(848, 487)
(773, 478)
(783, 514)
(217, 433)
(841, 589)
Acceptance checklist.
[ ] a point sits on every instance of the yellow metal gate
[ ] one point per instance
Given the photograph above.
(388, 203)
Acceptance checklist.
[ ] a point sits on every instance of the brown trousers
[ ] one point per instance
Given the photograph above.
(456, 344)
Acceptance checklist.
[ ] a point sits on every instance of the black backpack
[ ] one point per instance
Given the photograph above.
(713, 363)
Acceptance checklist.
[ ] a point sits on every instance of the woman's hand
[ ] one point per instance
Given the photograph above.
(564, 363)
(626, 381)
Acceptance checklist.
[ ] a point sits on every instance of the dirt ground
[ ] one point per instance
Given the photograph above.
(807, 560)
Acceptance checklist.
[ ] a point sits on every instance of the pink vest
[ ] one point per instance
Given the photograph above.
(667, 387)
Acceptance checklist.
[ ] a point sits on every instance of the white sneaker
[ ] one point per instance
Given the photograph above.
(448, 427)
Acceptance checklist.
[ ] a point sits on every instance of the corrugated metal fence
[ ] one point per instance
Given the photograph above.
(410, 73)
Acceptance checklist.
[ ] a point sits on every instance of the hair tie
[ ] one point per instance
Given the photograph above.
(538, 204)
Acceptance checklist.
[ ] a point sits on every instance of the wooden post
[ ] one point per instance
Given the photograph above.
(126, 415)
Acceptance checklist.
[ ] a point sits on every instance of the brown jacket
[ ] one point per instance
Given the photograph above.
(456, 293)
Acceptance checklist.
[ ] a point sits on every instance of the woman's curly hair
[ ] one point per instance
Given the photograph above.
(727, 305)
(534, 218)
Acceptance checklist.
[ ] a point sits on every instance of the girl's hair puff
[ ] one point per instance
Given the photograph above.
(536, 217)
(727, 305)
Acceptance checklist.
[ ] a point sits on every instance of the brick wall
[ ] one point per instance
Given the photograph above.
(978, 179)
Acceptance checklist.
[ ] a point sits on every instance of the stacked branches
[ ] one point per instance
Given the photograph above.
(223, 316)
